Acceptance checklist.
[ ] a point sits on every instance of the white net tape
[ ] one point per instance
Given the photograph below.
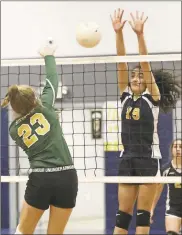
(94, 60)
(107, 179)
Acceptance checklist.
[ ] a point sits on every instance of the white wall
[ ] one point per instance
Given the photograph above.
(24, 25)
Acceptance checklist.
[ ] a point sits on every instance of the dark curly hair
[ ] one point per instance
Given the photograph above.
(170, 89)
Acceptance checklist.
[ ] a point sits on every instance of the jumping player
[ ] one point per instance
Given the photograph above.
(36, 129)
(141, 98)
(173, 217)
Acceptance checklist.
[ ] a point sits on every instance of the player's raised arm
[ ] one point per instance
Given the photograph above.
(49, 93)
(137, 25)
(118, 25)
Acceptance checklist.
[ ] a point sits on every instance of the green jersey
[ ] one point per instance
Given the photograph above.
(39, 133)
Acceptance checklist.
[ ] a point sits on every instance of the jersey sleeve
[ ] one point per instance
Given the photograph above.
(50, 90)
(127, 92)
(154, 103)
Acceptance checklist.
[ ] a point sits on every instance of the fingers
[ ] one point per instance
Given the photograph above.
(118, 13)
(146, 18)
(124, 22)
(132, 16)
(115, 14)
(137, 15)
(131, 24)
(141, 17)
(121, 14)
(47, 50)
(113, 17)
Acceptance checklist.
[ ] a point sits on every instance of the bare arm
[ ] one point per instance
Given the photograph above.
(146, 68)
(122, 67)
(118, 25)
(137, 26)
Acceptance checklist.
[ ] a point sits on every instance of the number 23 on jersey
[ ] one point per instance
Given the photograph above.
(25, 130)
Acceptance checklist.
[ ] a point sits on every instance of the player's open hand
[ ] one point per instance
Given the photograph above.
(138, 22)
(48, 49)
(117, 21)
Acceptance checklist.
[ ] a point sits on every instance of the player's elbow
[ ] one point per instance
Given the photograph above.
(154, 91)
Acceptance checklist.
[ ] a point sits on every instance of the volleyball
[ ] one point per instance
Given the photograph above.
(88, 34)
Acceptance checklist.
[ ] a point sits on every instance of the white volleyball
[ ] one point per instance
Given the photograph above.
(88, 34)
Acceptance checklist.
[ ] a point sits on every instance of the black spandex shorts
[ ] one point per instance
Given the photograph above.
(138, 167)
(174, 211)
(52, 188)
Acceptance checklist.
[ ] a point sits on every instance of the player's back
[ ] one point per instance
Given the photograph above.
(40, 135)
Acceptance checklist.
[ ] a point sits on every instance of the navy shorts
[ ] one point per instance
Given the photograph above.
(52, 188)
(175, 211)
(138, 167)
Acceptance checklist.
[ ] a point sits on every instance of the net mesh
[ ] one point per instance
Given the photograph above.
(89, 110)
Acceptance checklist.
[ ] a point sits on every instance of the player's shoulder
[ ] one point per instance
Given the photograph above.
(127, 93)
(148, 98)
(48, 113)
(44, 109)
(26, 118)
(165, 169)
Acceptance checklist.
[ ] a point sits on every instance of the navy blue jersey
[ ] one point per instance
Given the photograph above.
(139, 125)
(174, 195)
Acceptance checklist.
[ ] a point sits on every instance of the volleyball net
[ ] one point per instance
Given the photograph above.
(89, 109)
(88, 105)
